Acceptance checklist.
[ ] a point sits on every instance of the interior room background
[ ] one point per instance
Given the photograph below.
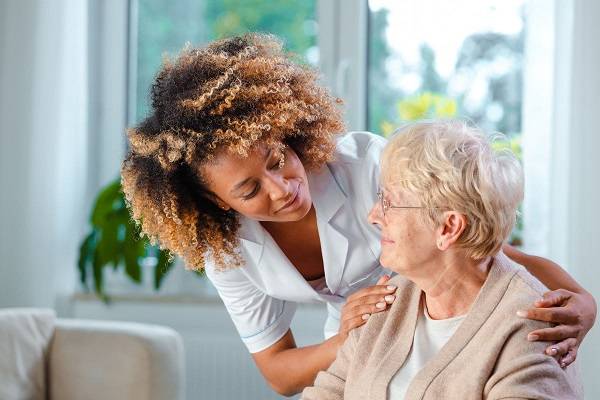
(75, 73)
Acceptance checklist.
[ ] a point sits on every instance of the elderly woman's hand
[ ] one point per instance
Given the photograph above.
(574, 315)
(360, 305)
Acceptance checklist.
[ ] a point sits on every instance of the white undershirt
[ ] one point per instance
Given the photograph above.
(430, 336)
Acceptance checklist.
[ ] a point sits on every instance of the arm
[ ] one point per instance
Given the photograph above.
(289, 369)
(330, 384)
(532, 376)
(569, 306)
(548, 272)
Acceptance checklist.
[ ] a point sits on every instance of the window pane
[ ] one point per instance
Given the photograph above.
(431, 58)
(166, 26)
(461, 58)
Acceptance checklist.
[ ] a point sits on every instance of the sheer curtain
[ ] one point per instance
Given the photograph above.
(43, 148)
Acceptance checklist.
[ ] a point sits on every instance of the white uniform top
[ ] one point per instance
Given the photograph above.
(261, 296)
(430, 336)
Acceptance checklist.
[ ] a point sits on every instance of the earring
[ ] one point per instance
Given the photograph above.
(440, 243)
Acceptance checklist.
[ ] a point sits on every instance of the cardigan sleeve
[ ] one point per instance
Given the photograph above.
(330, 384)
(533, 376)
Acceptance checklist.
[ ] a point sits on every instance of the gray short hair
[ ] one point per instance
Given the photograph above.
(450, 164)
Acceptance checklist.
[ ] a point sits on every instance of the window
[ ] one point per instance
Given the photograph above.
(464, 59)
(165, 27)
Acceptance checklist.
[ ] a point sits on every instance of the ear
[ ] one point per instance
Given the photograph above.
(453, 225)
(217, 200)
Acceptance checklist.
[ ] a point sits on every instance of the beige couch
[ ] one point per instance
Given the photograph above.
(42, 357)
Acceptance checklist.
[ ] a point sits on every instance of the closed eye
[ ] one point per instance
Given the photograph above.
(252, 193)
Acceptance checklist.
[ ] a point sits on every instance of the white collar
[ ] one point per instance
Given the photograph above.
(328, 199)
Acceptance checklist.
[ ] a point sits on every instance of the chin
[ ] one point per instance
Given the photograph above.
(390, 263)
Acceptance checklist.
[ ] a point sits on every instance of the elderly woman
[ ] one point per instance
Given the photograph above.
(447, 203)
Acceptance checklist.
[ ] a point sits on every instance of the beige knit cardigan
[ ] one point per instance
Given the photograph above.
(488, 357)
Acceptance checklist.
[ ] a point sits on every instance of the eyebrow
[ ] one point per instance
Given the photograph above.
(245, 181)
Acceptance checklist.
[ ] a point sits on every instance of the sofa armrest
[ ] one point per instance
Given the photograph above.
(115, 360)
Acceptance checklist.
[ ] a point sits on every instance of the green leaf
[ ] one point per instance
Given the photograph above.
(98, 277)
(133, 250)
(85, 253)
(163, 267)
(107, 201)
(108, 245)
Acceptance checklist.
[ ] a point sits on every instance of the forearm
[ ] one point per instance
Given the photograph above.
(548, 272)
(289, 371)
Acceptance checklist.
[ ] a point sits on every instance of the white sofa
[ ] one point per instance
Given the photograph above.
(42, 357)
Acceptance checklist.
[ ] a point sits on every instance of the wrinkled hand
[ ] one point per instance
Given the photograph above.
(574, 315)
(360, 305)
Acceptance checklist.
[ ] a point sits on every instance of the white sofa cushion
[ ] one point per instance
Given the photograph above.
(99, 360)
(24, 342)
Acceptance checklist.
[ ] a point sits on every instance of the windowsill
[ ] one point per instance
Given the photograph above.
(150, 298)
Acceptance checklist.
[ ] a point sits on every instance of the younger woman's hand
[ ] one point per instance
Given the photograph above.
(572, 313)
(360, 305)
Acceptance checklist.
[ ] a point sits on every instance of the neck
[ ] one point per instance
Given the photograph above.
(451, 283)
(282, 228)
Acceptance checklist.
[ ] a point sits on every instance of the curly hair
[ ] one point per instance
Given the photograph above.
(232, 94)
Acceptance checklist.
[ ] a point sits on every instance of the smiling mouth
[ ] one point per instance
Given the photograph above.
(292, 200)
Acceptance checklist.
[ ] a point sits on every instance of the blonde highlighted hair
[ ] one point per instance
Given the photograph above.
(450, 165)
(233, 94)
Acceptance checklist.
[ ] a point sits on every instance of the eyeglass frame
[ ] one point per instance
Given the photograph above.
(386, 205)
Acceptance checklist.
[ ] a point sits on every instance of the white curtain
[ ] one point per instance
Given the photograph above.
(43, 148)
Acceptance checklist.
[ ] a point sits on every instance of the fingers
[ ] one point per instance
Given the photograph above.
(569, 358)
(367, 305)
(365, 302)
(561, 348)
(554, 334)
(372, 290)
(554, 298)
(383, 280)
(353, 323)
(557, 315)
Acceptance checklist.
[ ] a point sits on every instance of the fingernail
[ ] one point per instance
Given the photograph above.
(532, 338)
(391, 287)
(366, 316)
(563, 364)
(522, 314)
(380, 305)
(389, 298)
(553, 351)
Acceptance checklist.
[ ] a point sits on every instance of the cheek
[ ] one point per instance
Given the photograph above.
(253, 208)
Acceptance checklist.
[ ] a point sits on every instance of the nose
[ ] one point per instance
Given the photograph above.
(375, 216)
(277, 186)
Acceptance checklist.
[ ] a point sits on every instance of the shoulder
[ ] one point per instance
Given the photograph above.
(521, 292)
(358, 146)
(356, 166)
(226, 277)
(523, 289)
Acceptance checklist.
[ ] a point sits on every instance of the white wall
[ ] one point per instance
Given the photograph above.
(561, 144)
(43, 148)
(576, 193)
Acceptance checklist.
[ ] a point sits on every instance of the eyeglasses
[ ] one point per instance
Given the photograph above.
(386, 205)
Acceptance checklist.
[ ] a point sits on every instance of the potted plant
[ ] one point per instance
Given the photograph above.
(114, 241)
